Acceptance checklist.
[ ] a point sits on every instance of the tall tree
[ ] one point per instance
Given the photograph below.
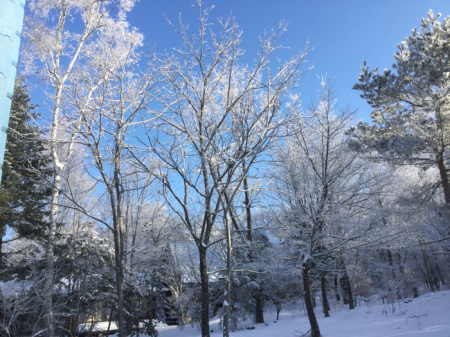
(109, 94)
(321, 186)
(411, 116)
(25, 189)
(203, 138)
(53, 49)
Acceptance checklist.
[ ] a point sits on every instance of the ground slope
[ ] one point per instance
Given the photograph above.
(425, 316)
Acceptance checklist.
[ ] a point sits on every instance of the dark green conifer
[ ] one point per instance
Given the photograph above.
(24, 188)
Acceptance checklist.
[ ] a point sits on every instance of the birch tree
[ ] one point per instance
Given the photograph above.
(203, 137)
(52, 51)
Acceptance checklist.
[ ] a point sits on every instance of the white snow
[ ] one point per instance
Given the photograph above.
(103, 326)
(425, 316)
(98, 326)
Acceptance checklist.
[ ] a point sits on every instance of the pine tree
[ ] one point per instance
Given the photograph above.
(24, 188)
(411, 104)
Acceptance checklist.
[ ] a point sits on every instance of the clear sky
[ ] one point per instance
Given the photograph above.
(343, 33)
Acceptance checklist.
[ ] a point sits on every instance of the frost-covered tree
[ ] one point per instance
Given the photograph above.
(417, 209)
(108, 92)
(411, 116)
(53, 49)
(151, 269)
(203, 137)
(84, 269)
(21, 304)
(322, 190)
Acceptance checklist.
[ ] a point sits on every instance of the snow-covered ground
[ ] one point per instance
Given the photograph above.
(425, 316)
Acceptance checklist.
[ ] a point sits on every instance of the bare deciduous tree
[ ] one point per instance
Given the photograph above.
(217, 114)
(323, 190)
(109, 91)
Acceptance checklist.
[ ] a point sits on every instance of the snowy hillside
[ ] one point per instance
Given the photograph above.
(425, 316)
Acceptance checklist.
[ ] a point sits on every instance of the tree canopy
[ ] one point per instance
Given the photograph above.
(411, 102)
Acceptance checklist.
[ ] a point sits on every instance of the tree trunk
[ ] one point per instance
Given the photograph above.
(119, 237)
(429, 276)
(440, 275)
(313, 295)
(338, 298)
(259, 312)
(227, 303)
(344, 290)
(391, 263)
(348, 290)
(326, 306)
(315, 331)
(118, 252)
(2, 230)
(119, 285)
(425, 276)
(278, 310)
(48, 302)
(110, 319)
(205, 291)
(345, 284)
(155, 301)
(247, 206)
(444, 178)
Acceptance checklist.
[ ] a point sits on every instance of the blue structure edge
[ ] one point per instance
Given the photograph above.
(11, 21)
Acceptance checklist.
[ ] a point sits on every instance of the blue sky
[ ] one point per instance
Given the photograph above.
(343, 34)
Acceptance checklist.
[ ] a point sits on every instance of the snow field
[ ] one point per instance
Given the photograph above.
(425, 316)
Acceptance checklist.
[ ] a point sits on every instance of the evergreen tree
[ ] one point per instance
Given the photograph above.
(24, 188)
(141, 302)
(411, 104)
